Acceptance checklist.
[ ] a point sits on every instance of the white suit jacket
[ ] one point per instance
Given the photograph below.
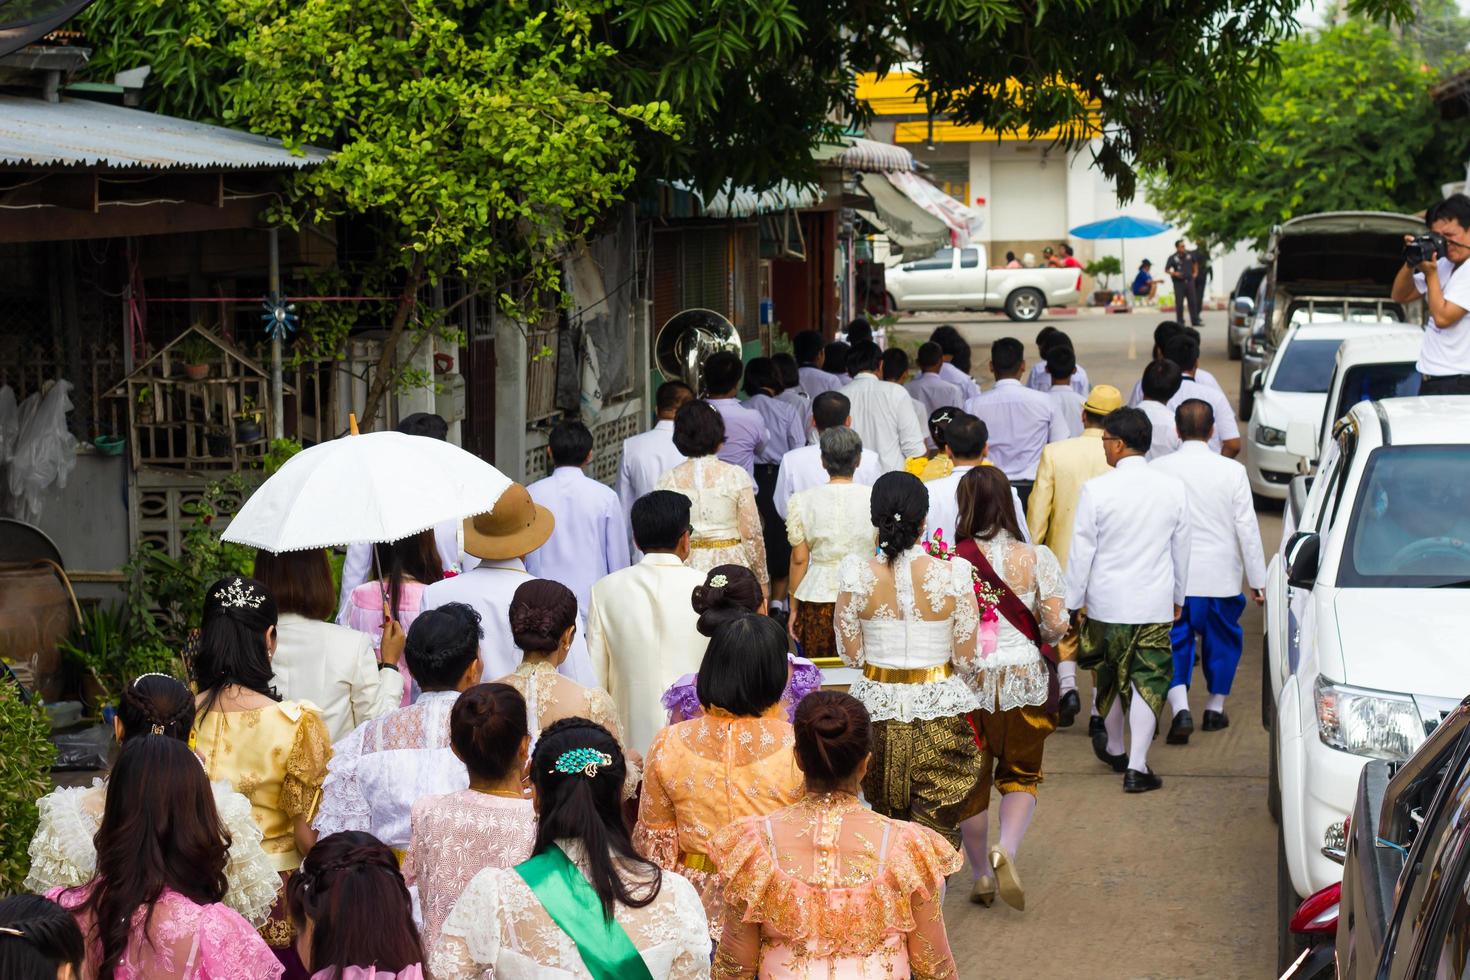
(641, 638)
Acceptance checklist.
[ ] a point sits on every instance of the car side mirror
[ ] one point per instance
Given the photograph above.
(1258, 381)
(1303, 559)
(1301, 439)
(1244, 306)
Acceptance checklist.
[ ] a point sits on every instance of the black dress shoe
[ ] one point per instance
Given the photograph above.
(1216, 721)
(1182, 727)
(1141, 782)
(1095, 725)
(1067, 711)
(1100, 749)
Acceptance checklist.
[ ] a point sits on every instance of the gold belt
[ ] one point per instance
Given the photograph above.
(399, 854)
(907, 675)
(715, 543)
(698, 862)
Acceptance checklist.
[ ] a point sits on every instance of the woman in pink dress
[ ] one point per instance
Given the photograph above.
(490, 825)
(154, 909)
(404, 567)
(352, 912)
(826, 887)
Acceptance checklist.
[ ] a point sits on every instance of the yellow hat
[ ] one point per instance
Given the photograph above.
(1102, 400)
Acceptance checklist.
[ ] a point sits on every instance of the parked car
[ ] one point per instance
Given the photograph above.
(1376, 365)
(960, 279)
(1364, 617)
(1242, 308)
(1253, 357)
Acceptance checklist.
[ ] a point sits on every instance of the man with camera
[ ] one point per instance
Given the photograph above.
(1434, 268)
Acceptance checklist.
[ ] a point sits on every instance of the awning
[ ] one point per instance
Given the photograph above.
(964, 221)
(866, 156)
(917, 216)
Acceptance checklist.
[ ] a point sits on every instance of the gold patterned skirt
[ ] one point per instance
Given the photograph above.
(814, 630)
(926, 771)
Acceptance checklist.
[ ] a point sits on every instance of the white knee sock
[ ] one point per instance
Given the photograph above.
(1016, 810)
(1094, 697)
(1114, 724)
(1178, 699)
(975, 836)
(1141, 725)
(1067, 675)
(1215, 703)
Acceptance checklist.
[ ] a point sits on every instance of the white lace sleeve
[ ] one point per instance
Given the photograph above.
(1051, 595)
(966, 613)
(692, 960)
(62, 853)
(469, 941)
(253, 882)
(855, 583)
(343, 806)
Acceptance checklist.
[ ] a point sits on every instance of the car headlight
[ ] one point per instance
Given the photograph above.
(1368, 723)
(1267, 436)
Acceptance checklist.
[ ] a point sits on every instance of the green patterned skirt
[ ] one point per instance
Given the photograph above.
(1124, 657)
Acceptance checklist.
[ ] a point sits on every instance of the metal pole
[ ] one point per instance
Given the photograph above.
(278, 400)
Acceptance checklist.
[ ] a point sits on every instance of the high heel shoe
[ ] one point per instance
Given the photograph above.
(1007, 881)
(984, 891)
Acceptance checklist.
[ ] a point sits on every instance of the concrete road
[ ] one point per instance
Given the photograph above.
(1175, 883)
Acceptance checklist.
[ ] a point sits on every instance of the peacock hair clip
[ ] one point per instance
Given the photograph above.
(585, 761)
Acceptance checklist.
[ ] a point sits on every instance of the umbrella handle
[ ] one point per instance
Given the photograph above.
(352, 423)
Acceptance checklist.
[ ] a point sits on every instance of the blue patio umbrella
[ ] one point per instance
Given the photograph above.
(1122, 227)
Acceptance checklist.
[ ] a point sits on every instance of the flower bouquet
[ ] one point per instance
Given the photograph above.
(985, 595)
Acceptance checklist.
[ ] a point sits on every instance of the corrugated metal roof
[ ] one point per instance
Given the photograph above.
(80, 133)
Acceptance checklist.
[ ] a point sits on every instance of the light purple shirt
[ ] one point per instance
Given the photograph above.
(1041, 380)
(814, 381)
(799, 400)
(1020, 422)
(1069, 403)
(934, 393)
(745, 433)
(591, 537)
(961, 380)
(783, 425)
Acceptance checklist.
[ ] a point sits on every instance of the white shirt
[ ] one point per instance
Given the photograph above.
(1040, 379)
(335, 669)
(814, 381)
(1069, 403)
(641, 637)
(384, 766)
(1166, 434)
(967, 385)
(1224, 539)
(1225, 424)
(1445, 349)
(1200, 374)
(488, 590)
(783, 423)
(944, 506)
(646, 457)
(1020, 422)
(883, 415)
(802, 469)
(358, 566)
(934, 393)
(1129, 558)
(591, 537)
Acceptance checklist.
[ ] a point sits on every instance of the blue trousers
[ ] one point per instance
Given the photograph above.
(1217, 622)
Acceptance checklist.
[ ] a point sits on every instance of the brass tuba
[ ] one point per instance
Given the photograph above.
(689, 338)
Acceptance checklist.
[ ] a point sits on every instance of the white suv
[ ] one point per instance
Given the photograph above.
(1365, 617)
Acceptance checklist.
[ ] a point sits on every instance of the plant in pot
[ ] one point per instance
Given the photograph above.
(1103, 270)
(217, 440)
(98, 646)
(144, 404)
(197, 353)
(248, 420)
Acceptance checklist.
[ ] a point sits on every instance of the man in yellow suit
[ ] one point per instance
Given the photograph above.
(1064, 467)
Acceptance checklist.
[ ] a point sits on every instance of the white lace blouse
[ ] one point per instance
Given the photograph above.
(882, 621)
(499, 929)
(722, 509)
(1015, 676)
(833, 521)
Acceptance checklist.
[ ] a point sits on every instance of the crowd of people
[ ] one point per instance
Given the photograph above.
(584, 734)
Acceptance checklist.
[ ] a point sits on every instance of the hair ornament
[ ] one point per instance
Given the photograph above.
(897, 516)
(585, 761)
(153, 674)
(155, 729)
(238, 595)
(719, 582)
(8, 931)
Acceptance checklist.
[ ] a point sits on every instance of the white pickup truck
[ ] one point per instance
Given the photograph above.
(960, 279)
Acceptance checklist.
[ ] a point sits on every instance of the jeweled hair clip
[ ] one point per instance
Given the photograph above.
(584, 761)
(238, 595)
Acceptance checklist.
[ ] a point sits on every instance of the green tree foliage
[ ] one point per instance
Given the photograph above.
(1349, 125)
(26, 754)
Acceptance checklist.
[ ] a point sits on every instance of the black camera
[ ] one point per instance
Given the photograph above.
(1423, 248)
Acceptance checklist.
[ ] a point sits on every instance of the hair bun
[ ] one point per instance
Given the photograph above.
(707, 597)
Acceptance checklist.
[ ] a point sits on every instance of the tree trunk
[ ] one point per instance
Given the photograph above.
(386, 371)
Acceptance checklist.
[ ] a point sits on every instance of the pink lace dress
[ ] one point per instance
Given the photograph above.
(185, 941)
(364, 613)
(457, 836)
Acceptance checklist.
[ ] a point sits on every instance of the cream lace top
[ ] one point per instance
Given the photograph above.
(914, 613)
(1014, 675)
(550, 697)
(722, 499)
(833, 521)
(499, 929)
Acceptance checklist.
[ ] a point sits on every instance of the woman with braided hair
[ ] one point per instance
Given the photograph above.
(352, 912)
(585, 904)
(154, 911)
(39, 940)
(62, 852)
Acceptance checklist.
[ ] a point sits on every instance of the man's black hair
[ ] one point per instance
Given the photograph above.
(659, 520)
(1454, 208)
(760, 375)
(1006, 356)
(835, 357)
(1061, 362)
(722, 373)
(966, 437)
(1161, 380)
(1183, 350)
(863, 357)
(859, 331)
(830, 409)
(1194, 418)
(1166, 331)
(895, 361)
(1132, 427)
(570, 442)
(672, 394)
(930, 355)
(806, 346)
(424, 424)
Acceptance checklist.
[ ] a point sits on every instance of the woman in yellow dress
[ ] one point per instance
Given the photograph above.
(273, 752)
(733, 761)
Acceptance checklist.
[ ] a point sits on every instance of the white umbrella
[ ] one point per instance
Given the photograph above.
(381, 486)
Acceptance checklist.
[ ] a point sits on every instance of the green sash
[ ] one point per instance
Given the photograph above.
(568, 898)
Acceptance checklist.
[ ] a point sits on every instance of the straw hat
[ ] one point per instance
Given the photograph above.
(516, 526)
(1102, 400)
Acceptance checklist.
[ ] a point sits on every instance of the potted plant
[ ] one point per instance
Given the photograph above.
(196, 351)
(248, 422)
(217, 440)
(98, 645)
(1102, 270)
(144, 404)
